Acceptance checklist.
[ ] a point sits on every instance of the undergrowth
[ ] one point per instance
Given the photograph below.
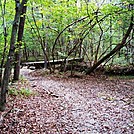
(121, 77)
(23, 92)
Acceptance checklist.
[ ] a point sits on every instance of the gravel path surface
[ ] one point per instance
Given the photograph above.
(88, 105)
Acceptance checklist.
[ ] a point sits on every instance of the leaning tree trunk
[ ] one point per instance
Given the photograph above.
(116, 49)
(8, 66)
(19, 43)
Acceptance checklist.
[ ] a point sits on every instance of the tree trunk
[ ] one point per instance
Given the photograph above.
(116, 49)
(5, 39)
(19, 43)
(8, 66)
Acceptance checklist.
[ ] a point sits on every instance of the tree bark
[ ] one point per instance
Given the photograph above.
(3, 10)
(19, 44)
(9, 62)
(116, 49)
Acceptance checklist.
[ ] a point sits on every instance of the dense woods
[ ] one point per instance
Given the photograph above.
(66, 66)
(60, 35)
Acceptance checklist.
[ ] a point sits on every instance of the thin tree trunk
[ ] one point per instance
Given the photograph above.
(116, 49)
(25, 53)
(19, 43)
(43, 44)
(99, 44)
(8, 66)
(5, 39)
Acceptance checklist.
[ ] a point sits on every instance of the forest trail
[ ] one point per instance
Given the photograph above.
(88, 105)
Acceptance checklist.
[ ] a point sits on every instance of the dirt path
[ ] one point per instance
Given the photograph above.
(86, 105)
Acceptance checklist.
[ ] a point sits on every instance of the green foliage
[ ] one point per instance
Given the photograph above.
(51, 17)
(121, 77)
(13, 91)
(24, 92)
(128, 1)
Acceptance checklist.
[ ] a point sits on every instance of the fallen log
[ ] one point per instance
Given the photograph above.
(40, 64)
(120, 71)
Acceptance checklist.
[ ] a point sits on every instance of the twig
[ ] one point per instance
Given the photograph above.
(58, 129)
(51, 93)
(5, 114)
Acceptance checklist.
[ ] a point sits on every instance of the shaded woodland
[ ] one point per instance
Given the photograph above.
(99, 33)
(69, 39)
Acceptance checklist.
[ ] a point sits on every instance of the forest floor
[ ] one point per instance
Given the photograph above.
(92, 104)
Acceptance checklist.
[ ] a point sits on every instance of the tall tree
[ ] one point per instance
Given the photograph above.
(3, 10)
(10, 57)
(19, 43)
